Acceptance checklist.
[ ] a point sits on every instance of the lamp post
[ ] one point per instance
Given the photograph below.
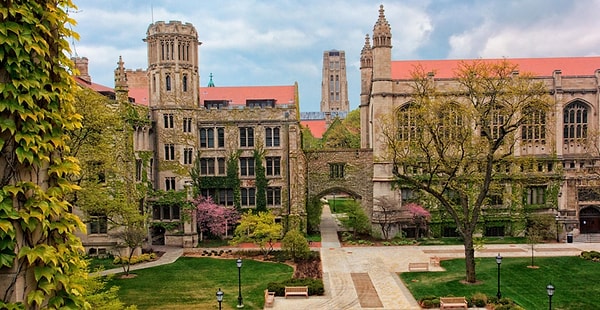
(499, 261)
(219, 297)
(550, 291)
(557, 236)
(239, 265)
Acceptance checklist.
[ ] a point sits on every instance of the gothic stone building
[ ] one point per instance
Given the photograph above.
(571, 135)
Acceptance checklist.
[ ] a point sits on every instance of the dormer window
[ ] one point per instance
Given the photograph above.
(215, 104)
(260, 103)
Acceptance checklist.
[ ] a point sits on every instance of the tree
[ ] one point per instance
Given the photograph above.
(419, 215)
(39, 252)
(451, 144)
(212, 218)
(295, 245)
(260, 229)
(385, 213)
(356, 219)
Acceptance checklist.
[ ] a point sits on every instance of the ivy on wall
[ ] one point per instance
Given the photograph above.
(261, 181)
(230, 181)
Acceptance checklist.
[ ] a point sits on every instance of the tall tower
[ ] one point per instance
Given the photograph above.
(174, 87)
(334, 87)
(366, 75)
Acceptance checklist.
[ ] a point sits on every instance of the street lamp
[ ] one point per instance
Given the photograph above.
(499, 261)
(550, 290)
(239, 265)
(219, 297)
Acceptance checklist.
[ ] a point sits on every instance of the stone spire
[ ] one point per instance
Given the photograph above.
(366, 55)
(210, 82)
(121, 86)
(382, 32)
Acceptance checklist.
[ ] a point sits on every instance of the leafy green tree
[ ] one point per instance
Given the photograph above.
(260, 229)
(356, 219)
(451, 145)
(40, 256)
(314, 210)
(295, 245)
(102, 297)
(343, 133)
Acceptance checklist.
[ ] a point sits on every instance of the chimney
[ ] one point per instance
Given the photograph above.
(81, 63)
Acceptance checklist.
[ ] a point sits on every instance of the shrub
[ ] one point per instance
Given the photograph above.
(479, 299)
(429, 302)
(591, 255)
(294, 244)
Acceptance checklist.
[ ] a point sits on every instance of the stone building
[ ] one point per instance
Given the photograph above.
(569, 133)
(209, 126)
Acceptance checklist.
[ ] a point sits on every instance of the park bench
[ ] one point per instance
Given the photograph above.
(434, 261)
(296, 291)
(269, 298)
(453, 303)
(418, 266)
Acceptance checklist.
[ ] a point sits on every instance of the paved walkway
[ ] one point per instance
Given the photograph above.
(365, 277)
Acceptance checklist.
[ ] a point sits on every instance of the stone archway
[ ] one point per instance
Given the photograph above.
(589, 220)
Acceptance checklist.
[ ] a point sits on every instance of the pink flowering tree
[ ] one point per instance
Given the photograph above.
(214, 219)
(420, 216)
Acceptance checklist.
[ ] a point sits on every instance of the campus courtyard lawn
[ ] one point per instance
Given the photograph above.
(575, 279)
(191, 283)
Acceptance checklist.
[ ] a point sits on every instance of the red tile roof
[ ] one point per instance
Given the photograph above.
(94, 86)
(237, 95)
(141, 95)
(537, 66)
(317, 127)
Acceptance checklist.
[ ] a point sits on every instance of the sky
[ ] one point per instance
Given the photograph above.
(280, 42)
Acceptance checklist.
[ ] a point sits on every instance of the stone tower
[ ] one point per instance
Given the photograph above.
(334, 87)
(174, 88)
(366, 74)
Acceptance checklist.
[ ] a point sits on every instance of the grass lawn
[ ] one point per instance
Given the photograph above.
(191, 283)
(575, 279)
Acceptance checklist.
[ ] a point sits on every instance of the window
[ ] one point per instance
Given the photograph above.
(138, 169)
(246, 137)
(495, 231)
(165, 212)
(170, 183)
(168, 82)
(273, 196)
(169, 152)
(246, 166)
(535, 195)
(273, 166)
(575, 121)
(248, 197)
(98, 224)
(207, 137)
(187, 155)
(407, 127)
(272, 137)
(221, 165)
(225, 197)
(336, 170)
(497, 124)
(260, 103)
(533, 129)
(207, 166)
(408, 195)
(187, 124)
(215, 104)
(185, 82)
(168, 120)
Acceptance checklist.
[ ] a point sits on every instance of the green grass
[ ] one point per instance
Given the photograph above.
(575, 280)
(103, 263)
(459, 241)
(340, 205)
(191, 283)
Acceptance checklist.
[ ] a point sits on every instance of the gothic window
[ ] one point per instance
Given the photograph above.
(221, 166)
(248, 197)
(187, 155)
(407, 126)
(246, 137)
(207, 138)
(153, 83)
(225, 197)
(533, 129)
(168, 82)
(272, 138)
(169, 152)
(246, 166)
(497, 122)
(575, 121)
(207, 166)
(185, 82)
(187, 124)
(168, 120)
(273, 166)
(138, 169)
(336, 170)
(165, 212)
(170, 183)
(98, 224)
(535, 195)
(273, 196)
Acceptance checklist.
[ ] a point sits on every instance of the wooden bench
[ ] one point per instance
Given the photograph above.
(296, 291)
(418, 266)
(453, 303)
(434, 261)
(269, 299)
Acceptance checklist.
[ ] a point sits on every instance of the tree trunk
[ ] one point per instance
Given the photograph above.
(470, 259)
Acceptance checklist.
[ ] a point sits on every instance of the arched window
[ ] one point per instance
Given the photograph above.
(168, 82)
(534, 126)
(407, 127)
(575, 121)
(185, 82)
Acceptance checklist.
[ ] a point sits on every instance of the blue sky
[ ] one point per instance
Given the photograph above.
(256, 43)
